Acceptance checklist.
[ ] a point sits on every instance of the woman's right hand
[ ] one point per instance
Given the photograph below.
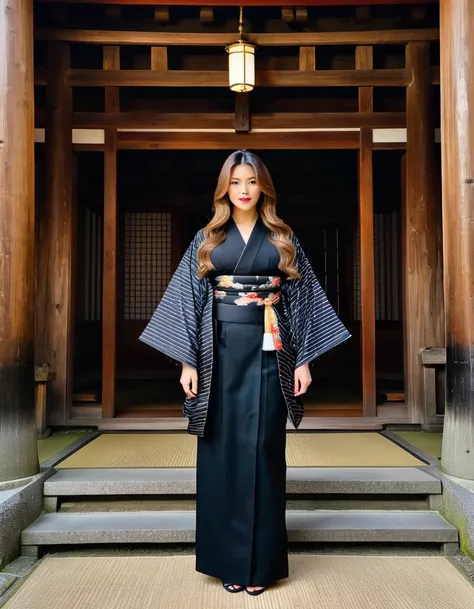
(189, 381)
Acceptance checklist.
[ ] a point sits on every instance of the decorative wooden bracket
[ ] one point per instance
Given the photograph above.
(242, 113)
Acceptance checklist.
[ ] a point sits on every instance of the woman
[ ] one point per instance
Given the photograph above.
(244, 314)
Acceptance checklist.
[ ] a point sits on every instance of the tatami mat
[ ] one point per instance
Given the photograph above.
(303, 450)
(329, 582)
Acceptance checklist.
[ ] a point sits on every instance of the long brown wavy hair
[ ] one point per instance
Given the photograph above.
(280, 233)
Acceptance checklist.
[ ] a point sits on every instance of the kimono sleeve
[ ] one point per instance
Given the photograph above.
(173, 328)
(315, 326)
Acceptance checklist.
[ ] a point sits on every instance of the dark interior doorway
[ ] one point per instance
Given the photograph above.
(164, 197)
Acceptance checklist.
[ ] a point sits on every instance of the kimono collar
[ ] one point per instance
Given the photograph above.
(251, 248)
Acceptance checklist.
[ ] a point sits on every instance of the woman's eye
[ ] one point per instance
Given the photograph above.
(252, 182)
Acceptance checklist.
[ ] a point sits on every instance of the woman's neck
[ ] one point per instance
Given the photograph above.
(245, 218)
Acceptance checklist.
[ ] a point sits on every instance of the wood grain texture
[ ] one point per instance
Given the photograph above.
(367, 279)
(231, 141)
(40, 76)
(18, 455)
(364, 61)
(423, 289)
(109, 298)
(54, 302)
(111, 61)
(218, 78)
(457, 150)
(307, 58)
(276, 120)
(220, 39)
(159, 58)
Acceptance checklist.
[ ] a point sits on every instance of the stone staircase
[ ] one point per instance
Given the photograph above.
(325, 506)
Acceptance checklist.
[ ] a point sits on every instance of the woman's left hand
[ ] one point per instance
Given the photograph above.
(302, 379)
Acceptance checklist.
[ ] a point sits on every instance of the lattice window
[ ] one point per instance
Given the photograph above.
(147, 262)
(386, 252)
(93, 265)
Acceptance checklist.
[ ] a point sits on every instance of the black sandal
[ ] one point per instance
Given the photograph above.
(255, 592)
(232, 588)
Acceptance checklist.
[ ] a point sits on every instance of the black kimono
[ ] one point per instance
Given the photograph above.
(216, 325)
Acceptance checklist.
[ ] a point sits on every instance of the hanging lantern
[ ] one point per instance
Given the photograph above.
(241, 63)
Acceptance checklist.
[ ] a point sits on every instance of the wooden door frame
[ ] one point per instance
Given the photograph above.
(215, 140)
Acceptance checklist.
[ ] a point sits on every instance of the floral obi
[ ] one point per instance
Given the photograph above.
(250, 299)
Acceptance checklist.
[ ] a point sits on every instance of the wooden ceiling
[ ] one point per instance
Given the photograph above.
(246, 2)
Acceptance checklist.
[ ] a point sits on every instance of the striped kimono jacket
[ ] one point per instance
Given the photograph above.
(182, 328)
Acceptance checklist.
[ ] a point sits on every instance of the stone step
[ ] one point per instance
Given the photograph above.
(166, 503)
(300, 480)
(179, 527)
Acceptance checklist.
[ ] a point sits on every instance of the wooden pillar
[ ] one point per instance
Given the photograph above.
(18, 452)
(423, 286)
(109, 308)
(457, 149)
(364, 61)
(54, 328)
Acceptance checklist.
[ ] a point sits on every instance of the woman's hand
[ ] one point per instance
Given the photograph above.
(189, 381)
(302, 379)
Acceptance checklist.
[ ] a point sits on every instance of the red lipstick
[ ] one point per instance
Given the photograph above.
(244, 200)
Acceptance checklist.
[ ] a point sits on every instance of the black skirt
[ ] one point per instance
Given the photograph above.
(241, 533)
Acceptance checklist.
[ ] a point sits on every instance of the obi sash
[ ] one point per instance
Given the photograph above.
(247, 299)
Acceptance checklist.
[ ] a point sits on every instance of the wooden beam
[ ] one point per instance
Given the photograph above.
(214, 141)
(18, 447)
(111, 60)
(54, 332)
(217, 78)
(457, 153)
(162, 14)
(301, 14)
(225, 3)
(423, 306)
(307, 58)
(337, 140)
(217, 144)
(109, 298)
(206, 14)
(364, 61)
(215, 39)
(288, 14)
(40, 76)
(222, 120)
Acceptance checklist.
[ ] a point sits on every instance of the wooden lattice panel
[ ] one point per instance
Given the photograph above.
(147, 262)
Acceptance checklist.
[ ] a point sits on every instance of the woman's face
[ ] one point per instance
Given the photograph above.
(243, 191)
